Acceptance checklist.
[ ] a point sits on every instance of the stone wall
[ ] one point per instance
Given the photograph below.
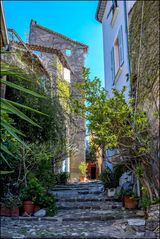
(146, 81)
(144, 59)
(45, 37)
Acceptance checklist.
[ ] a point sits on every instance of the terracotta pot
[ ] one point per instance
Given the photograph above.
(4, 211)
(36, 208)
(14, 212)
(130, 203)
(82, 178)
(28, 207)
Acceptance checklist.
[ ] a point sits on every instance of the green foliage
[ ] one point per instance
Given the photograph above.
(48, 201)
(38, 163)
(156, 200)
(144, 202)
(11, 200)
(139, 171)
(62, 178)
(32, 191)
(115, 125)
(124, 192)
(38, 194)
(10, 107)
(83, 167)
(52, 122)
(110, 177)
(111, 119)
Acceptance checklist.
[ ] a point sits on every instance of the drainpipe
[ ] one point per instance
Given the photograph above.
(126, 31)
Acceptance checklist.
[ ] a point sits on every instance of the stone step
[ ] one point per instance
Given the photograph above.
(97, 215)
(79, 186)
(79, 189)
(87, 198)
(88, 205)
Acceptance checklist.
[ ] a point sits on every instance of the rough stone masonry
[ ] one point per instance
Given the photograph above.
(42, 36)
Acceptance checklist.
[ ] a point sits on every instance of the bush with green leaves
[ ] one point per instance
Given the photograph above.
(108, 178)
(48, 202)
(32, 191)
(111, 177)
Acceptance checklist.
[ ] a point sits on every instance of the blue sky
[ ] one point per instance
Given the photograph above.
(75, 19)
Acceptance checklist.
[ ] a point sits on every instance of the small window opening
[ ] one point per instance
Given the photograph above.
(38, 53)
(68, 52)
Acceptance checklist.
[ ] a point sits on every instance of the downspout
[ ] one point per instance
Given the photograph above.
(126, 31)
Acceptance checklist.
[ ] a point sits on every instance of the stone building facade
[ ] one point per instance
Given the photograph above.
(74, 54)
(144, 59)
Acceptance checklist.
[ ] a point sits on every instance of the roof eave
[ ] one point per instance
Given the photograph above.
(97, 12)
(100, 10)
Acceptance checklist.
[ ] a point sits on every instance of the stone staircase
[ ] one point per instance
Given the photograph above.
(87, 204)
(84, 212)
(88, 201)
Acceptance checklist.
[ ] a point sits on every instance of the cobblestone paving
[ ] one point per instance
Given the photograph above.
(53, 229)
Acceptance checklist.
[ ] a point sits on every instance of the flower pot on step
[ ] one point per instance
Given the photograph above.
(82, 178)
(4, 211)
(130, 203)
(28, 207)
(14, 212)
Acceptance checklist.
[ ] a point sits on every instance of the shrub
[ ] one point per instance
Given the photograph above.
(32, 191)
(83, 167)
(62, 178)
(111, 177)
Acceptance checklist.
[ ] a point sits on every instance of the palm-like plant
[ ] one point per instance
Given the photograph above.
(10, 107)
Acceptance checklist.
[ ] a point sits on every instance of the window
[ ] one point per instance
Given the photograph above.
(68, 52)
(67, 75)
(114, 2)
(113, 8)
(117, 56)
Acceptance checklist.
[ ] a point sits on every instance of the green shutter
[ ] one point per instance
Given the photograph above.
(112, 64)
(121, 50)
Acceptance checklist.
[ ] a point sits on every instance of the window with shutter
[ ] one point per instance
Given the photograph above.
(121, 50)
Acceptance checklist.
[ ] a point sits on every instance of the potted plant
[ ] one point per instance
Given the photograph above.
(15, 203)
(110, 181)
(28, 205)
(130, 201)
(29, 194)
(4, 210)
(83, 167)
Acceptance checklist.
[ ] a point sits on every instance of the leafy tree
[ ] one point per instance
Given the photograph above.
(115, 125)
